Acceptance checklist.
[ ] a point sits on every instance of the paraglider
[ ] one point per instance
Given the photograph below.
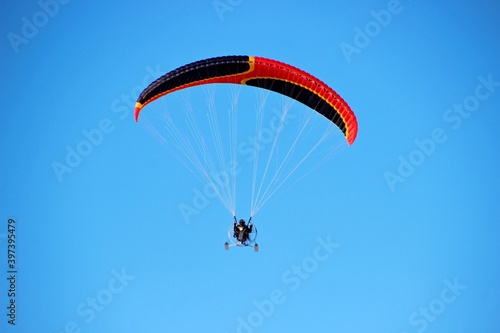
(242, 234)
(258, 72)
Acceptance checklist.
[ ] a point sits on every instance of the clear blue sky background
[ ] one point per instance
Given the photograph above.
(416, 253)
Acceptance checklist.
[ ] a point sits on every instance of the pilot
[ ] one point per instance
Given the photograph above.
(242, 231)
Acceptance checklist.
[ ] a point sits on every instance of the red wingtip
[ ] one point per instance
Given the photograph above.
(137, 110)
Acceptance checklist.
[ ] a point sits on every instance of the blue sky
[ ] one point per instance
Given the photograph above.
(396, 233)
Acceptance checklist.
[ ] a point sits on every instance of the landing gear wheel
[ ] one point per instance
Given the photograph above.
(226, 245)
(256, 247)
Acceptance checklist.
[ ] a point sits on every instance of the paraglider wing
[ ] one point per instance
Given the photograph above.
(259, 72)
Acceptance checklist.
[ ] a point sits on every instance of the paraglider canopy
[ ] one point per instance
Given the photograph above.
(259, 72)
